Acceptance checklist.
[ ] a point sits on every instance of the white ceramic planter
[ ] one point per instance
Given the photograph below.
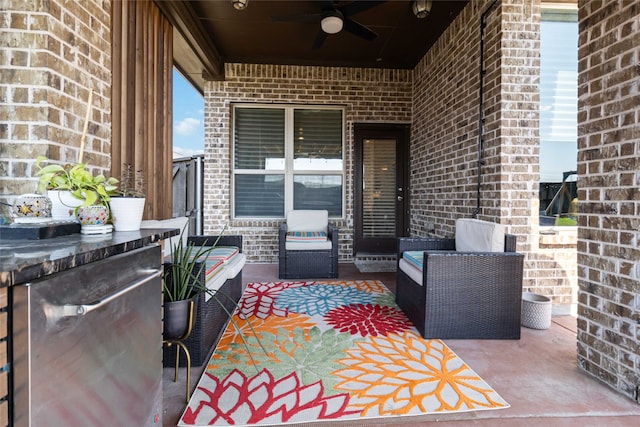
(63, 205)
(126, 213)
(536, 311)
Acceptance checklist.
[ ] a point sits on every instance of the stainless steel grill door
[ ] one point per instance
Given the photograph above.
(88, 345)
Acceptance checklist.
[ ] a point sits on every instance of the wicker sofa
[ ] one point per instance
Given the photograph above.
(212, 312)
(460, 294)
(301, 257)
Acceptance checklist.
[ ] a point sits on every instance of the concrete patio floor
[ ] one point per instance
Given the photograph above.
(537, 375)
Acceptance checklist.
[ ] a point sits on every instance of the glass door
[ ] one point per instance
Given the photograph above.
(381, 201)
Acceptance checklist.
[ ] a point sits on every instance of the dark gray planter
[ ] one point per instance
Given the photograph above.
(176, 319)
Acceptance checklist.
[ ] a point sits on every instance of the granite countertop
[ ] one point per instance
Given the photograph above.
(22, 261)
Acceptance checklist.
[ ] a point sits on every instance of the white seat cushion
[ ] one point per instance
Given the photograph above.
(307, 220)
(235, 264)
(474, 235)
(215, 276)
(307, 246)
(411, 270)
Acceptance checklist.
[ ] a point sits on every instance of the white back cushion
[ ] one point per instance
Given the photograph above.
(180, 223)
(307, 220)
(474, 235)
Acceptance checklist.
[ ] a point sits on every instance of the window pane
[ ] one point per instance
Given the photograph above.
(558, 116)
(259, 196)
(317, 139)
(318, 192)
(558, 99)
(259, 138)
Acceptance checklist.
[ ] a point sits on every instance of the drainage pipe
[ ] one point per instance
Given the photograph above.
(483, 24)
(199, 178)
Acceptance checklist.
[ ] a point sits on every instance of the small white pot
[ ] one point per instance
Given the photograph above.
(63, 205)
(536, 311)
(126, 213)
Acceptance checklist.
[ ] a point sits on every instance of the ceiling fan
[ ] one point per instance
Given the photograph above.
(334, 18)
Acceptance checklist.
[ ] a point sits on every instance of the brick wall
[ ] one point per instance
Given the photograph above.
(444, 140)
(53, 53)
(368, 95)
(609, 189)
(445, 146)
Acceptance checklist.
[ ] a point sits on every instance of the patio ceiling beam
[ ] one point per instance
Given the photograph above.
(184, 19)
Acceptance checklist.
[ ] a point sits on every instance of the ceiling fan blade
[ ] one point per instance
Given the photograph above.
(308, 17)
(359, 29)
(320, 38)
(358, 6)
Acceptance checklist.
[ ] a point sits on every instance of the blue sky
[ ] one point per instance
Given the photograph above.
(188, 118)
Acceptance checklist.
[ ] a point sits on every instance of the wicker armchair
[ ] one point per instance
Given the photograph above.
(463, 295)
(312, 259)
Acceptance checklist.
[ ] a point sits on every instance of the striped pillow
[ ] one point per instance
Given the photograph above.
(306, 236)
(213, 268)
(223, 253)
(218, 254)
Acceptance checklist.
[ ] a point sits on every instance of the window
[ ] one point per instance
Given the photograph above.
(287, 158)
(558, 110)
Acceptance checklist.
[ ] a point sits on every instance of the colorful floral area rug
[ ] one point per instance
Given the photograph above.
(326, 351)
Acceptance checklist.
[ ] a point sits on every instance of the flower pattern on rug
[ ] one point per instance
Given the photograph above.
(310, 353)
(238, 400)
(320, 298)
(333, 350)
(259, 299)
(405, 374)
(240, 349)
(368, 319)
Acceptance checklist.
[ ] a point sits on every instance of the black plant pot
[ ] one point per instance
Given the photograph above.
(176, 319)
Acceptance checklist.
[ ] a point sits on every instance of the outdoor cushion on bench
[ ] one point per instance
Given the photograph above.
(222, 263)
(307, 240)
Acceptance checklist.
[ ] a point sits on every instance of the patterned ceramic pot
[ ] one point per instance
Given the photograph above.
(34, 207)
(93, 215)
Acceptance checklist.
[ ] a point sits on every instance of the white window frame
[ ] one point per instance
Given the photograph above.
(288, 160)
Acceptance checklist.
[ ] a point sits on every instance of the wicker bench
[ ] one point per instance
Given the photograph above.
(211, 313)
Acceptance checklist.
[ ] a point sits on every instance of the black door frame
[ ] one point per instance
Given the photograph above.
(400, 132)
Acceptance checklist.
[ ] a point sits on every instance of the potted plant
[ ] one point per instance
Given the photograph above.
(72, 186)
(180, 279)
(181, 286)
(127, 201)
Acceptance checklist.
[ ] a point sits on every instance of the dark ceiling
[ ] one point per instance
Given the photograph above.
(253, 36)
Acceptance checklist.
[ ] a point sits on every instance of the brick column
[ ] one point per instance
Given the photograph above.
(609, 193)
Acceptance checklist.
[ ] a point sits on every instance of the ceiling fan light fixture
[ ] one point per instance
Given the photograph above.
(240, 4)
(421, 8)
(331, 24)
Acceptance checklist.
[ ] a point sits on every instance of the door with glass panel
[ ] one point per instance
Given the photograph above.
(381, 192)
